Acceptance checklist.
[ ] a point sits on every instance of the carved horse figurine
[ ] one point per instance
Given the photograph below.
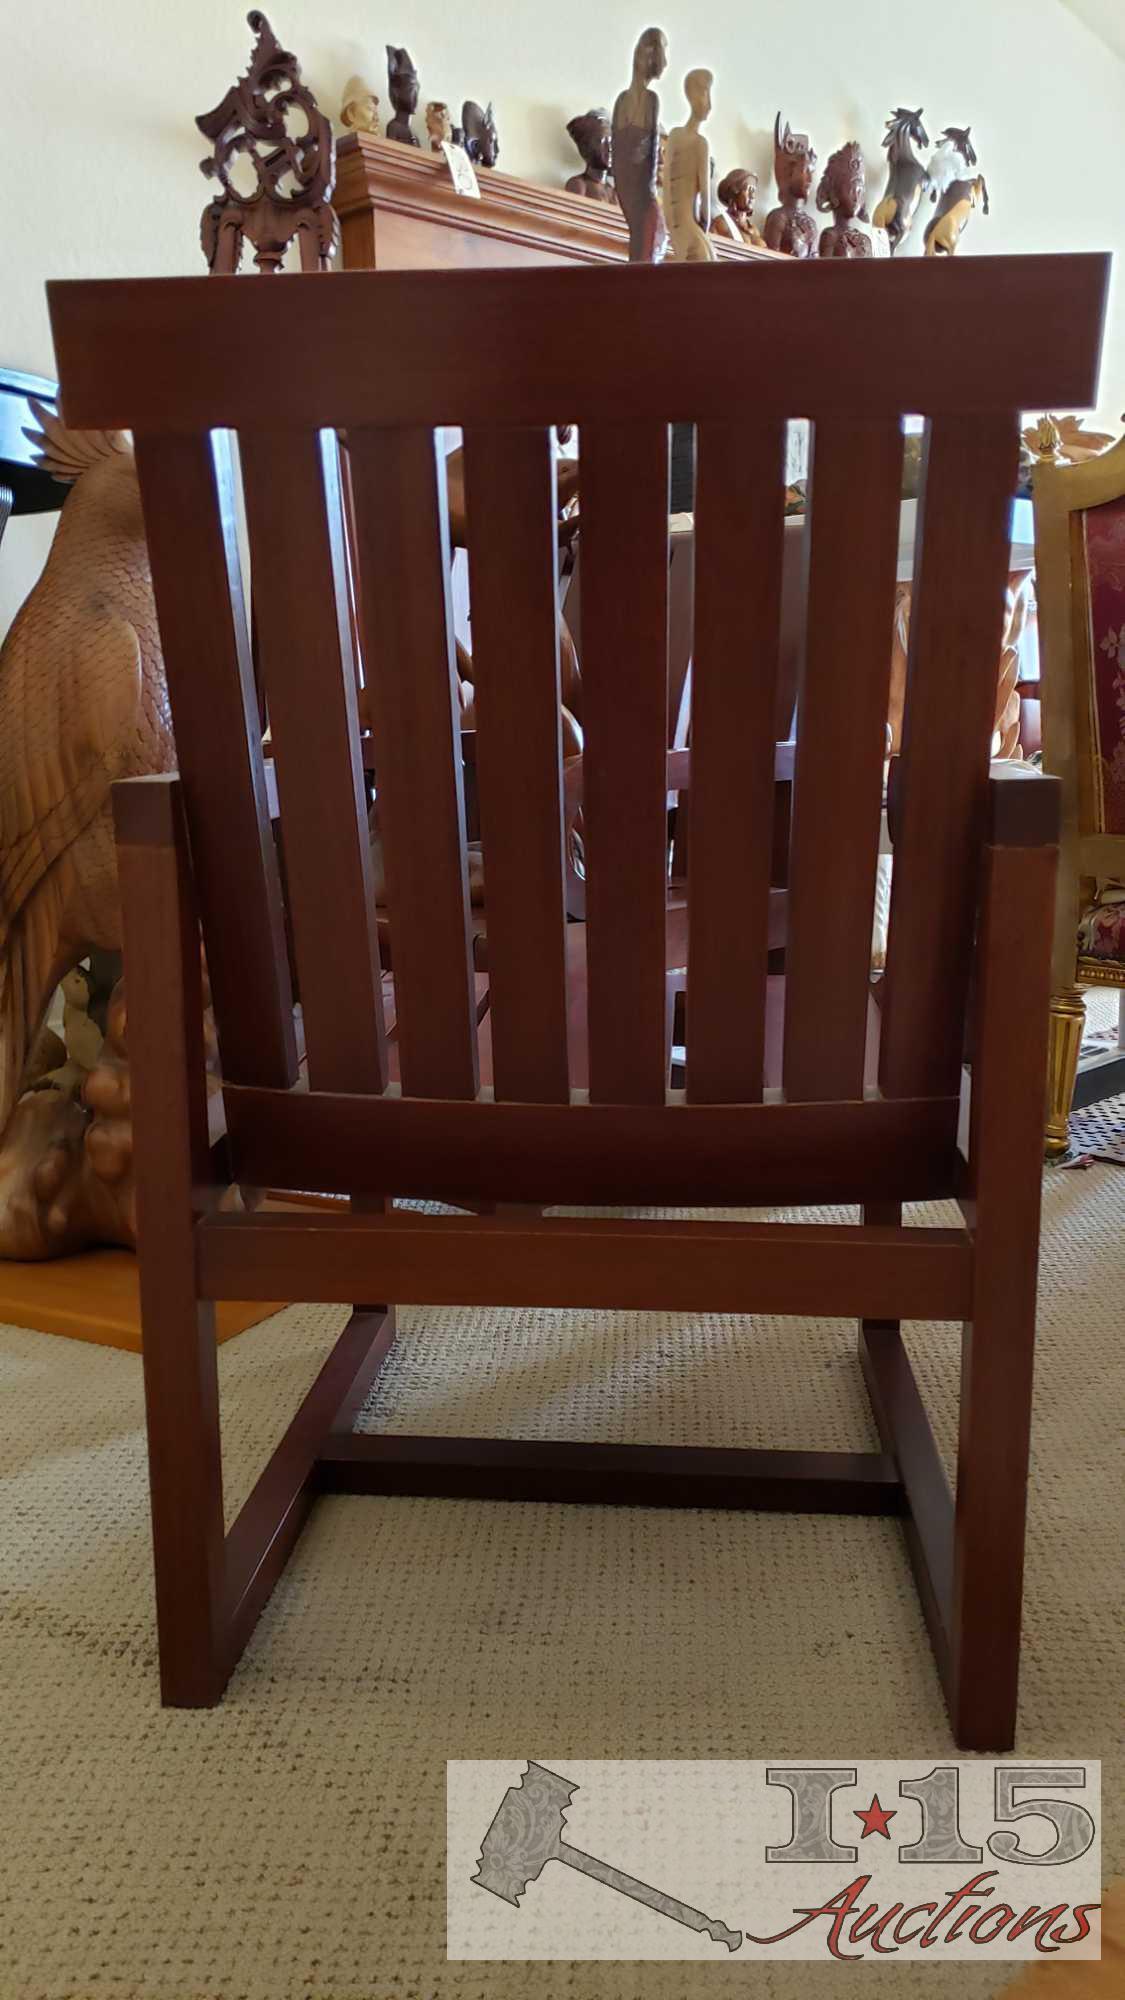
(951, 160)
(907, 178)
(943, 232)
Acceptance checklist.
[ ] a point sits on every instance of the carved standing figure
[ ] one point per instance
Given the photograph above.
(843, 189)
(636, 137)
(687, 197)
(734, 216)
(402, 87)
(592, 136)
(789, 227)
(360, 108)
(481, 141)
(907, 178)
(439, 126)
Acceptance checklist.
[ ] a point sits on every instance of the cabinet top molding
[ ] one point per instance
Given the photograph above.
(378, 181)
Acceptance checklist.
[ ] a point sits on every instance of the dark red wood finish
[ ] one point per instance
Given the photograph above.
(853, 348)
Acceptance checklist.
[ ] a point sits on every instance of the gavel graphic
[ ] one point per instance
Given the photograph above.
(527, 1833)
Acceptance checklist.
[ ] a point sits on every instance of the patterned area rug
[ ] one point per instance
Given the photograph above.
(290, 1844)
(1097, 1133)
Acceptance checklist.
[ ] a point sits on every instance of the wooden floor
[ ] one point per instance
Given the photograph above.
(96, 1297)
(1102, 1979)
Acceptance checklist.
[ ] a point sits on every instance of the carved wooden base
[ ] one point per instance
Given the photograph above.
(1068, 1018)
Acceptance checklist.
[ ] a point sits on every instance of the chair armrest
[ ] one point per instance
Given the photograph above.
(1024, 806)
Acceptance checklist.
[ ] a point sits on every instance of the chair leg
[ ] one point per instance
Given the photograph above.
(997, 1352)
(1067, 1019)
(186, 1486)
(991, 1512)
(172, 1164)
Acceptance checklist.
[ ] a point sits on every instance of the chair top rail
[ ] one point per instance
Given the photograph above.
(437, 347)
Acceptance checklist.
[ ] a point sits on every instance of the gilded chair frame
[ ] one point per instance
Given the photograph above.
(1063, 494)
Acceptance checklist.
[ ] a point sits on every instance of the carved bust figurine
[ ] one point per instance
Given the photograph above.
(636, 135)
(402, 84)
(687, 194)
(734, 216)
(439, 126)
(592, 136)
(843, 189)
(790, 227)
(481, 141)
(360, 108)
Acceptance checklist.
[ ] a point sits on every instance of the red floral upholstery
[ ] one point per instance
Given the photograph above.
(1101, 933)
(1105, 560)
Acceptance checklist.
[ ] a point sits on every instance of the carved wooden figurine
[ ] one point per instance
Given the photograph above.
(687, 196)
(734, 216)
(439, 126)
(843, 189)
(955, 193)
(636, 136)
(481, 141)
(950, 160)
(295, 174)
(83, 701)
(360, 108)
(402, 87)
(907, 178)
(592, 136)
(789, 227)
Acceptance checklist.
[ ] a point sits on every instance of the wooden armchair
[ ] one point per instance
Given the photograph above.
(868, 1111)
(1080, 573)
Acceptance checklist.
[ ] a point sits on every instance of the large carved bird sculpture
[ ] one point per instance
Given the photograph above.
(83, 701)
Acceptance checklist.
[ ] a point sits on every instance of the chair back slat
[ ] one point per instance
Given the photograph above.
(854, 492)
(955, 631)
(590, 955)
(402, 535)
(739, 515)
(188, 494)
(624, 652)
(290, 481)
(510, 497)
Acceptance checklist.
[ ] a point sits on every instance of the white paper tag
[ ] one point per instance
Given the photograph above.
(461, 169)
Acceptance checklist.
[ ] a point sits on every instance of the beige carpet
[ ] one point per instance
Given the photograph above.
(290, 1844)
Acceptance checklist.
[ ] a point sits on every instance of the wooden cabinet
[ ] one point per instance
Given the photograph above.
(399, 211)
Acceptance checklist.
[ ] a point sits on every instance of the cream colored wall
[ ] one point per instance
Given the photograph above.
(102, 154)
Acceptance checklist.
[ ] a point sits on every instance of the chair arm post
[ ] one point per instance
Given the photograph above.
(1012, 995)
(164, 996)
